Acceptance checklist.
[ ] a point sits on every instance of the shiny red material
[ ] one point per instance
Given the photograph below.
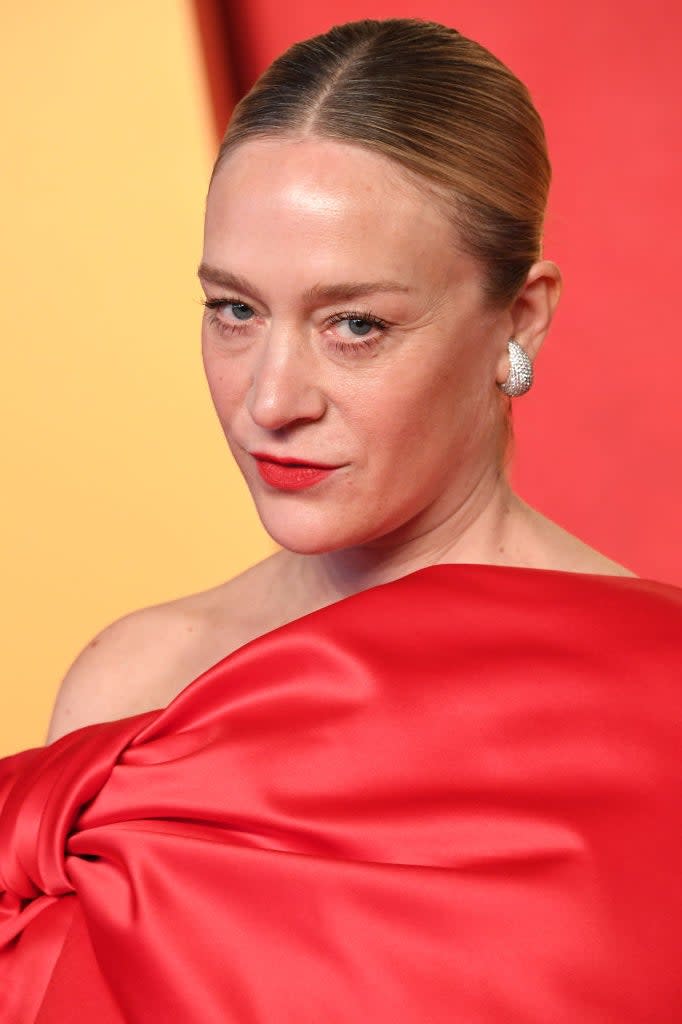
(450, 799)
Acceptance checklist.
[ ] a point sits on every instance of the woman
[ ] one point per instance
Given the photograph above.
(421, 764)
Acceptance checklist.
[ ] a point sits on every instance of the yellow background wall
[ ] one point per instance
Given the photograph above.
(119, 490)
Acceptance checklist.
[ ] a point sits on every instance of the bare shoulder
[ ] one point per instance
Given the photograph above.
(145, 658)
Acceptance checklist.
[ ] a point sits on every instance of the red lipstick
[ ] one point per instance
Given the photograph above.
(290, 474)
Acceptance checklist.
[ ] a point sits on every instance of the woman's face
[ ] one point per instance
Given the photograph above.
(355, 335)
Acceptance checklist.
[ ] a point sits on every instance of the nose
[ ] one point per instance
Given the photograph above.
(284, 386)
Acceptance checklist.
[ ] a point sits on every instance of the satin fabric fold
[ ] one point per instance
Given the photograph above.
(451, 798)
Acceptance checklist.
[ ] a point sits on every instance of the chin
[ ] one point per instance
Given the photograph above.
(306, 542)
(306, 536)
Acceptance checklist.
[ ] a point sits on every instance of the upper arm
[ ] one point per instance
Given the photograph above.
(122, 671)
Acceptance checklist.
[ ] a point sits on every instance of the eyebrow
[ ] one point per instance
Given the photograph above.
(318, 292)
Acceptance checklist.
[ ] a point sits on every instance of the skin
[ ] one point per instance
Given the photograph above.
(414, 420)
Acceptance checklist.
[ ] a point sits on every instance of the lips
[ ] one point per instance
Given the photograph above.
(282, 460)
(291, 476)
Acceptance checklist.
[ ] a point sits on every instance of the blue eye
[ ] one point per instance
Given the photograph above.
(365, 341)
(366, 320)
(239, 310)
(358, 320)
(237, 307)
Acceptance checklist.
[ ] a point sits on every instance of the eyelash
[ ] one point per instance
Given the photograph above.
(340, 346)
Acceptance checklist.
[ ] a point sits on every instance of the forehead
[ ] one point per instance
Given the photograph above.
(327, 202)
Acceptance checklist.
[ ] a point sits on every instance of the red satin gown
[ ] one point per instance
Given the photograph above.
(450, 799)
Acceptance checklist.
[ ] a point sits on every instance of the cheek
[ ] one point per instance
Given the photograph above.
(398, 427)
(426, 413)
(226, 382)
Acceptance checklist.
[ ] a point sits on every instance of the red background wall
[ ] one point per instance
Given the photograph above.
(599, 435)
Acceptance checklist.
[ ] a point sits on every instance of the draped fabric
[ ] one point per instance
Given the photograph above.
(454, 797)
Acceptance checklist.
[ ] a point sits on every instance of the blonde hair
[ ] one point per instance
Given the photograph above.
(438, 104)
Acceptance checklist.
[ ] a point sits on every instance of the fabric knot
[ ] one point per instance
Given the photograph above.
(42, 800)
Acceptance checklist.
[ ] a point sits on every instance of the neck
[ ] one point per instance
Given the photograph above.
(480, 529)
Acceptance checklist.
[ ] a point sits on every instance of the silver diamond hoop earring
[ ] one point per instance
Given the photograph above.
(520, 376)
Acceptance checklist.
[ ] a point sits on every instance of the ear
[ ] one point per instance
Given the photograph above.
(531, 311)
